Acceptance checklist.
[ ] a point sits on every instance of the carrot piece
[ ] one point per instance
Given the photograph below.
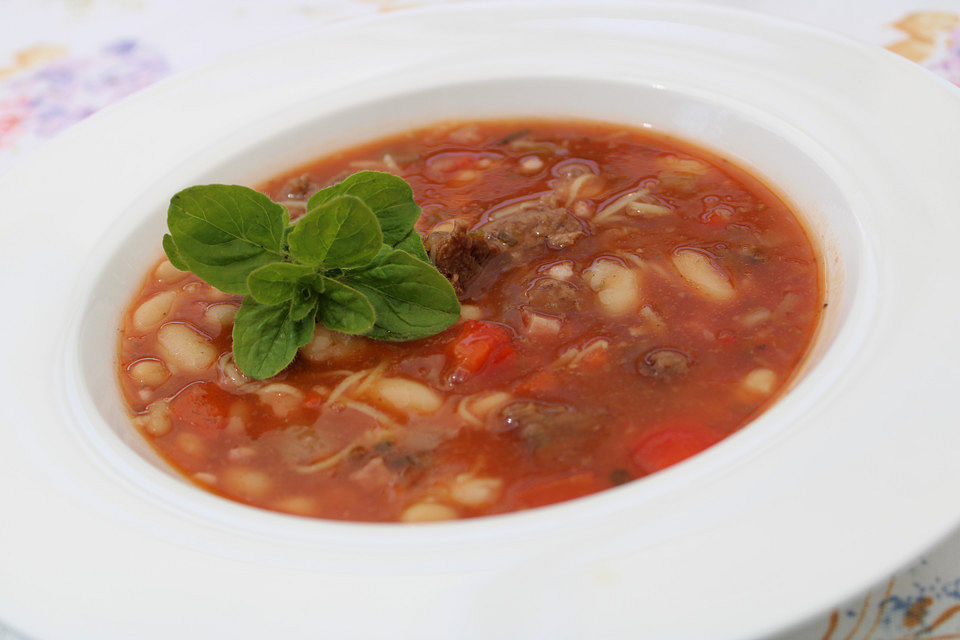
(203, 405)
(669, 443)
(559, 489)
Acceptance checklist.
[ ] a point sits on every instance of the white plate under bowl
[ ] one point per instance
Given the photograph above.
(846, 478)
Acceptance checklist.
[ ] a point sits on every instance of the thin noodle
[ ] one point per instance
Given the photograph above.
(572, 357)
(367, 438)
(337, 372)
(372, 377)
(329, 461)
(575, 187)
(341, 388)
(376, 414)
(566, 357)
(513, 208)
(640, 208)
(635, 259)
(466, 414)
(619, 203)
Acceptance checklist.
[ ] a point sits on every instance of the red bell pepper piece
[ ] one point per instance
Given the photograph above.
(480, 345)
(669, 443)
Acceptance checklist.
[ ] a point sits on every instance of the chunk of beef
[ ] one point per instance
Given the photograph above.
(551, 430)
(741, 255)
(303, 445)
(460, 255)
(536, 226)
(374, 475)
(553, 296)
(474, 260)
(665, 365)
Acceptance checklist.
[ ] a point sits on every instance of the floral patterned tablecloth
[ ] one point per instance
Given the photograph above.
(62, 60)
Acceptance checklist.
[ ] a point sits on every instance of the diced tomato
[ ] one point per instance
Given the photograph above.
(314, 399)
(480, 345)
(670, 443)
(559, 489)
(203, 405)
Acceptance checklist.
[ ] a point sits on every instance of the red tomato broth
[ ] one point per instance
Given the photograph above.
(647, 388)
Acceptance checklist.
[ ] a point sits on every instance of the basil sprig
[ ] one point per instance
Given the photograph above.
(353, 262)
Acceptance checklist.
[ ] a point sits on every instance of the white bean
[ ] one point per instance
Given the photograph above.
(157, 420)
(531, 164)
(407, 395)
(428, 512)
(754, 317)
(184, 349)
(166, 272)
(241, 454)
(297, 505)
(444, 227)
(283, 399)
(617, 286)
(561, 270)
(248, 483)
(684, 165)
(151, 313)
(490, 402)
(760, 381)
(191, 444)
(220, 314)
(470, 312)
(327, 345)
(237, 418)
(475, 492)
(464, 176)
(702, 275)
(150, 373)
(205, 478)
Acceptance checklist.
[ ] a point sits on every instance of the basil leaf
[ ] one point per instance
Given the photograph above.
(389, 197)
(412, 243)
(340, 232)
(277, 282)
(224, 232)
(173, 254)
(410, 298)
(266, 337)
(344, 309)
(304, 303)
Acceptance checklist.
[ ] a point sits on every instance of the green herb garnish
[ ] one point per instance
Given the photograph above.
(353, 262)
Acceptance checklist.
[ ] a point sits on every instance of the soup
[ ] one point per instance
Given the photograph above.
(627, 300)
